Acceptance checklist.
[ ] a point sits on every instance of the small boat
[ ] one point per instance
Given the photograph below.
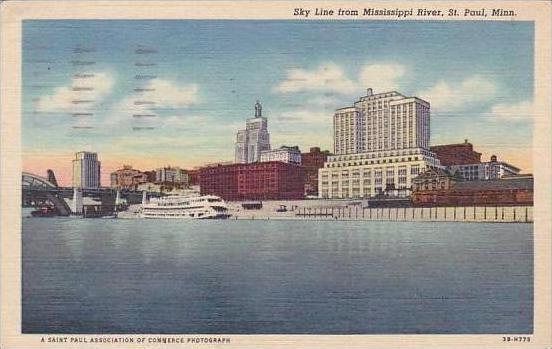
(45, 211)
(109, 217)
(185, 207)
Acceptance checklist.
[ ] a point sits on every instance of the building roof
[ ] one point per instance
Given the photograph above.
(434, 171)
(524, 183)
(288, 147)
(445, 147)
(352, 108)
(505, 164)
(464, 144)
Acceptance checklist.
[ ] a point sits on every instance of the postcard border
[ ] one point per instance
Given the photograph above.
(12, 14)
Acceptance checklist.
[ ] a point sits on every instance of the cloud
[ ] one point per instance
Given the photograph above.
(330, 77)
(81, 94)
(327, 77)
(381, 77)
(445, 96)
(169, 95)
(149, 105)
(330, 88)
(160, 94)
(522, 111)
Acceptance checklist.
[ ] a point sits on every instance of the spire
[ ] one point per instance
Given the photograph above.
(258, 109)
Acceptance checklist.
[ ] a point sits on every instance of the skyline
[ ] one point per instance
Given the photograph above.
(210, 73)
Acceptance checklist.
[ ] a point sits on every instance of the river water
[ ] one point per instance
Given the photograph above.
(275, 277)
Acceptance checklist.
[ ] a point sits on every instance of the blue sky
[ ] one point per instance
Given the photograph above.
(478, 77)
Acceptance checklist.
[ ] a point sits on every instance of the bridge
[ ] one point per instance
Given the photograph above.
(37, 191)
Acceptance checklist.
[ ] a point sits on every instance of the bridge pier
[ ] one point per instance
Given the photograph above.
(76, 205)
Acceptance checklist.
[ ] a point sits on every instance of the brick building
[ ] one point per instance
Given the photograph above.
(127, 178)
(312, 161)
(257, 181)
(456, 154)
(439, 188)
(193, 177)
(150, 176)
(434, 179)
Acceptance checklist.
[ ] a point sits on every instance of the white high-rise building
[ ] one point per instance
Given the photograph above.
(86, 170)
(379, 122)
(254, 139)
(380, 143)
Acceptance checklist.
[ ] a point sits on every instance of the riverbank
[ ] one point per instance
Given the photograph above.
(346, 211)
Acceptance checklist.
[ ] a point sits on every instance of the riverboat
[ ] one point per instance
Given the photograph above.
(185, 207)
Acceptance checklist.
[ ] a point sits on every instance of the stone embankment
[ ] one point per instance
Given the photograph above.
(342, 210)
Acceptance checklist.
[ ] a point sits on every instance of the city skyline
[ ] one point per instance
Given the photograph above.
(478, 87)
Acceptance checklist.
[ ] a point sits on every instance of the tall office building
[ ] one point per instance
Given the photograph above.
(381, 142)
(86, 170)
(254, 139)
(380, 122)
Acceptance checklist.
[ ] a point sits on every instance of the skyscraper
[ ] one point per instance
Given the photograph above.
(86, 170)
(254, 139)
(382, 122)
(381, 142)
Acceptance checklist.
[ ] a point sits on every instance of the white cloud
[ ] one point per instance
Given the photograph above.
(167, 94)
(330, 77)
(327, 77)
(331, 88)
(446, 97)
(522, 111)
(142, 109)
(381, 77)
(80, 95)
(159, 93)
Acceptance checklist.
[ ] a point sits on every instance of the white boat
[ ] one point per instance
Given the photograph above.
(185, 207)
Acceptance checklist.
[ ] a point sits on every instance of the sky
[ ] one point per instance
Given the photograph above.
(157, 93)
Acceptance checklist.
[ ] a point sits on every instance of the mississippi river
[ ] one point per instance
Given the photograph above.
(275, 277)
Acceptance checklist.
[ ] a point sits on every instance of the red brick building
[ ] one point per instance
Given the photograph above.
(437, 188)
(272, 180)
(312, 161)
(456, 154)
(193, 177)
